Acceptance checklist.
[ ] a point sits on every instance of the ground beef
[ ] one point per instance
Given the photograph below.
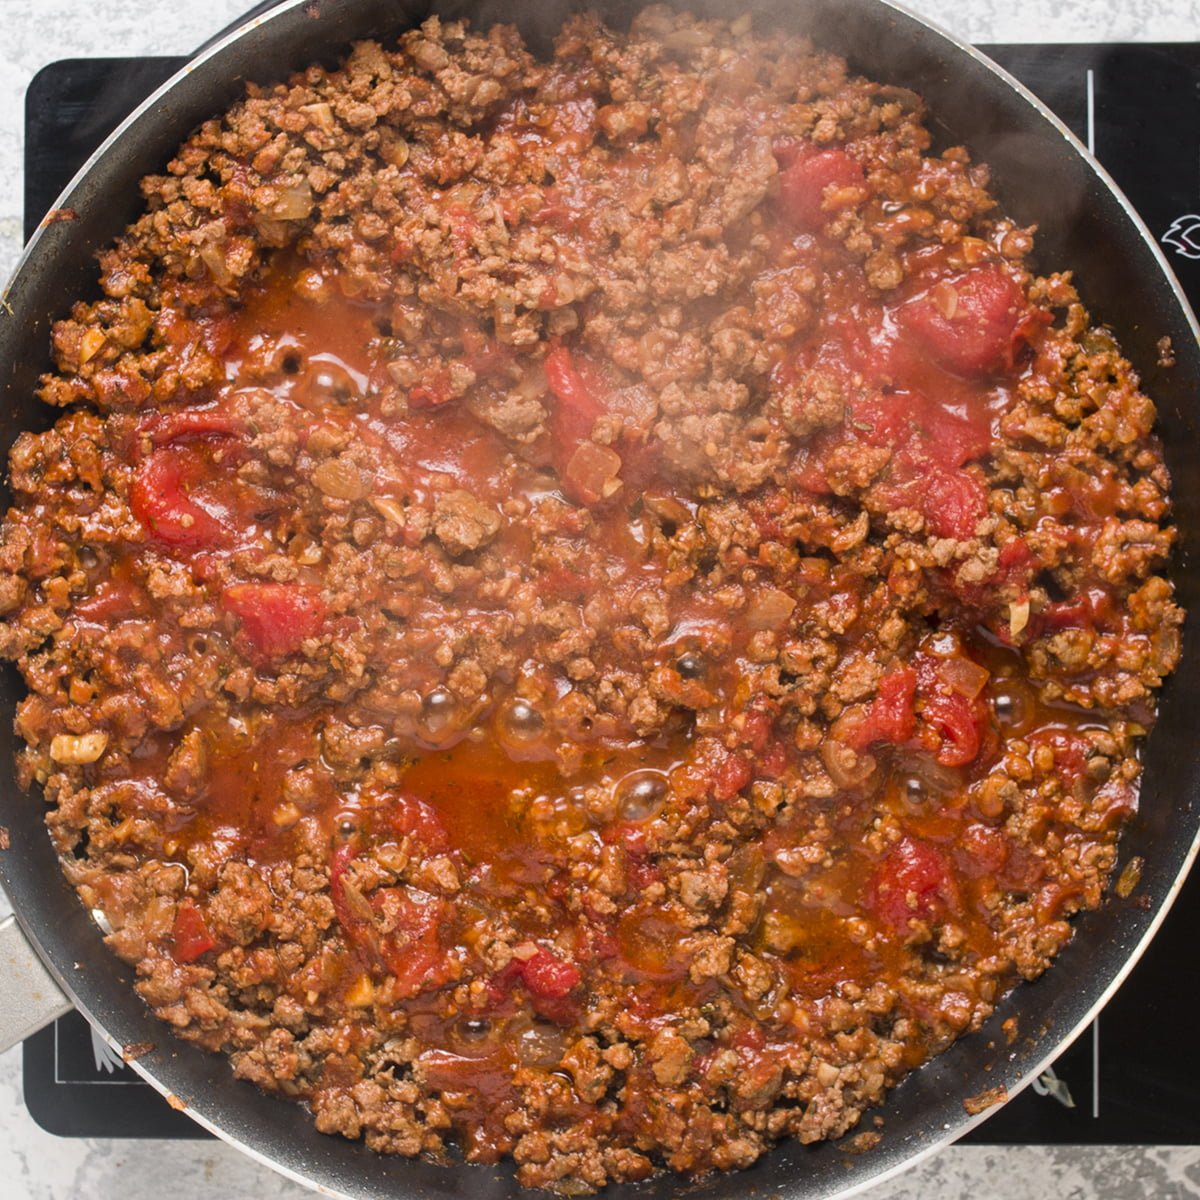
(591, 608)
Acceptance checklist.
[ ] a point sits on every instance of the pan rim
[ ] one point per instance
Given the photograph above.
(1131, 956)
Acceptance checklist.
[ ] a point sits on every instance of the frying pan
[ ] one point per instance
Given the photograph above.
(1043, 176)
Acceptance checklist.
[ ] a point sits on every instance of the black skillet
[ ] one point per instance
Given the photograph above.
(1042, 176)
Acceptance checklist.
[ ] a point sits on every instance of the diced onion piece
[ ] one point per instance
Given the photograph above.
(1018, 617)
(1130, 877)
(285, 815)
(78, 748)
(667, 508)
(770, 609)
(389, 508)
(90, 345)
(292, 203)
(341, 479)
(927, 777)
(540, 1045)
(945, 298)
(212, 254)
(974, 250)
(962, 675)
(361, 992)
(393, 148)
(591, 473)
(687, 39)
(320, 114)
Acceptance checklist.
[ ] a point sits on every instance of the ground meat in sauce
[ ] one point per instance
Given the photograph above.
(591, 610)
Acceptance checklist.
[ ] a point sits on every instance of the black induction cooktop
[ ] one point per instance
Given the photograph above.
(1132, 1077)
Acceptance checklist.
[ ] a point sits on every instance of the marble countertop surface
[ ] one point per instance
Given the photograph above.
(35, 1165)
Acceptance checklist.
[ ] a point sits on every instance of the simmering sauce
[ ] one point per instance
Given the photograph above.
(592, 610)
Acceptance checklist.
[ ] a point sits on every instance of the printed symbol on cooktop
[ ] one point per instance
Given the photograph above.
(1184, 235)
(106, 1058)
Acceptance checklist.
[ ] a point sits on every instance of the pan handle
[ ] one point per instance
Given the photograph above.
(29, 997)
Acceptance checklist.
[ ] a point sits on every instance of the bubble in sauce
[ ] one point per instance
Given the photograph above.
(473, 1029)
(640, 794)
(1012, 704)
(328, 383)
(439, 714)
(521, 722)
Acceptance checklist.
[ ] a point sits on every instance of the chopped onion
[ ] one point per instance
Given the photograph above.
(320, 114)
(1130, 877)
(1018, 617)
(212, 254)
(390, 509)
(945, 299)
(667, 508)
(341, 479)
(924, 780)
(687, 39)
(592, 472)
(770, 609)
(291, 203)
(78, 748)
(90, 345)
(964, 676)
(361, 993)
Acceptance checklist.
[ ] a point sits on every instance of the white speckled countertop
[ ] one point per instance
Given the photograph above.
(37, 1166)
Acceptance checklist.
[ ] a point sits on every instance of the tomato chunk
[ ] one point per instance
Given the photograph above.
(163, 429)
(412, 817)
(548, 977)
(398, 930)
(953, 503)
(1015, 558)
(549, 980)
(958, 721)
(1070, 750)
(808, 470)
(732, 774)
(986, 845)
(891, 717)
(969, 323)
(411, 948)
(158, 498)
(913, 881)
(885, 419)
(951, 441)
(589, 472)
(190, 935)
(578, 405)
(113, 601)
(1091, 610)
(804, 181)
(275, 618)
